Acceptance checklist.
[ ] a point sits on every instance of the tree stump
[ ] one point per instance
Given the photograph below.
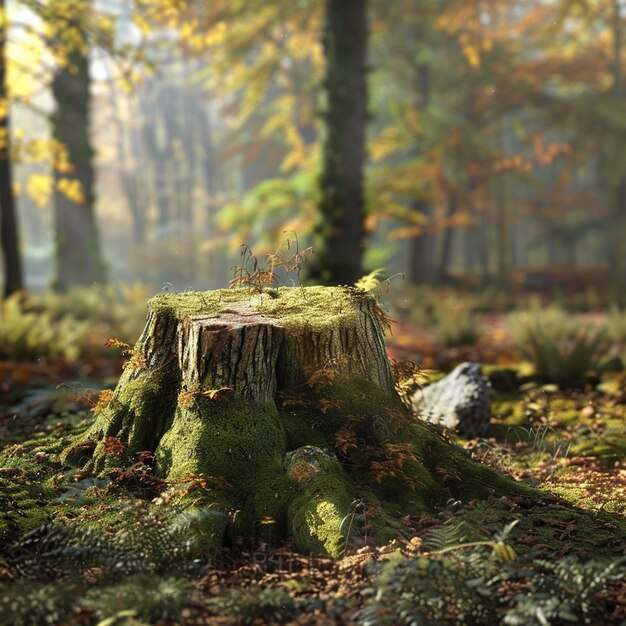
(232, 388)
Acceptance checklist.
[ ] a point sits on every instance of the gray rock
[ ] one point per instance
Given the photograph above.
(459, 401)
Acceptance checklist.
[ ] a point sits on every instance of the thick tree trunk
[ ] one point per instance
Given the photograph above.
(340, 231)
(286, 399)
(78, 255)
(8, 220)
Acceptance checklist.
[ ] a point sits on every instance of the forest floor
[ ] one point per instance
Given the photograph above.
(563, 560)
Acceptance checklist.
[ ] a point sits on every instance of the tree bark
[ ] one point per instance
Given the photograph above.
(78, 255)
(13, 280)
(339, 233)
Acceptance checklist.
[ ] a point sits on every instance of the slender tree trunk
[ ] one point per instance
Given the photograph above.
(617, 223)
(160, 175)
(8, 219)
(446, 241)
(421, 247)
(422, 251)
(78, 255)
(503, 241)
(128, 175)
(340, 230)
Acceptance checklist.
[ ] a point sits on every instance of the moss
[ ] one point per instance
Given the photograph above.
(378, 416)
(224, 438)
(300, 429)
(52, 444)
(208, 518)
(589, 534)
(508, 407)
(607, 448)
(269, 493)
(564, 411)
(139, 414)
(27, 481)
(414, 492)
(317, 514)
(465, 478)
(22, 506)
(317, 307)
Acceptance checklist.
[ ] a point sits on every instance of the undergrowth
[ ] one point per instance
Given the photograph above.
(561, 347)
(71, 325)
(456, 581)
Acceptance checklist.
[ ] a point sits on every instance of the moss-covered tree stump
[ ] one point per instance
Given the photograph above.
(283, 406)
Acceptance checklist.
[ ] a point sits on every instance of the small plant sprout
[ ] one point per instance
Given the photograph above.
(371, 282)
(258, 277)
(357, 514)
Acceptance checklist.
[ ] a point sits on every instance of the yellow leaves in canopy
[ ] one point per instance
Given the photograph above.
(39, 188)
(67, 23)
(60, 158)
(24, 58)
(216, 35)
(141, 23)
(71, 189)
(472, 56)
(391, 140)
(130, 78)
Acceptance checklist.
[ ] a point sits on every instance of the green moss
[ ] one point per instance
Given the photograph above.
(589, 534)
(317, 514)
(225, 438)
(607, 448)
(139, 413)
(463, 477)
(564, 410)
(22, 506)
(378, 416)
(301, 430)
(508, 407)
(269, 493)
(315, 307)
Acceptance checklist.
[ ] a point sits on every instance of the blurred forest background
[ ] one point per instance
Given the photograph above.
(146, 141)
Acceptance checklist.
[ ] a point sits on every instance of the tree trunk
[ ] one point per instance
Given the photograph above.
(128, 172)
(8, 220)
(422, 270)
(78, 255)
(617, 224)
(285, 401)
(422, 246)
(339, 233)
(446, 241)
